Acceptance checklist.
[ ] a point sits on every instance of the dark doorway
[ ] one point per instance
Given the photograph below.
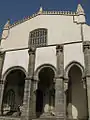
(44, 94)
(39, 102)
(76, 98)
(13, 92)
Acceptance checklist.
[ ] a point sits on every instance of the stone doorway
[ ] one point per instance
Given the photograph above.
(13, 93)
(45, 98)
(76, 95)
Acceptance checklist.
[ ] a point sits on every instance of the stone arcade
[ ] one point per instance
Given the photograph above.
(45, 67)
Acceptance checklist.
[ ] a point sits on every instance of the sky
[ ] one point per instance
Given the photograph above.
(19, 9)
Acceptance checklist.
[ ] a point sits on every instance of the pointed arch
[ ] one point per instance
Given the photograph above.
(43, 66)
(11, 69)
(13, 93)
(68, 67)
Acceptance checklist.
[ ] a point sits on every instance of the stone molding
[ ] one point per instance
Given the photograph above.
(26, 48)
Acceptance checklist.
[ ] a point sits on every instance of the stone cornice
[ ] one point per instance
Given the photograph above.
(67, 13)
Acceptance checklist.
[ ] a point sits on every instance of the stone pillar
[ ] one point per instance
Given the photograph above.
(59, 85)
(2, 56)
(65, 94)
(29, 102)
(86, 50)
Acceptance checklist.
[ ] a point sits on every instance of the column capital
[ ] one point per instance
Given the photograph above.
(66, 80)
(31, 78)
(59, 77)
(59, 48)
(31, 50)
(1, 81)
(86, 45)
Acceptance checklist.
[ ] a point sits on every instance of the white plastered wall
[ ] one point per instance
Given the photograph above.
(73, 52)
(61, 29)
(16, 58)
(45, 55)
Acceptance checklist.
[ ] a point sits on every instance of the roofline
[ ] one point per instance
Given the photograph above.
(67, 13)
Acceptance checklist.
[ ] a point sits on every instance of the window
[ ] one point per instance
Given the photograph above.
(38, 37)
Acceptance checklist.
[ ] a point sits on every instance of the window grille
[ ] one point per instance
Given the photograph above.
(38, 37)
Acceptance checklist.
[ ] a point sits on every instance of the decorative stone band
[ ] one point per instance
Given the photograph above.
(31, 50)
(86, 45)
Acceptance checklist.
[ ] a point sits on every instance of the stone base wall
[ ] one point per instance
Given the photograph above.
(53, 118)
(9, 118)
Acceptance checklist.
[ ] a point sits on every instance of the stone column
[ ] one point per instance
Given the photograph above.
(59, 85)
(65, 94)
(86, 50)
(29, 102)
(2, 56)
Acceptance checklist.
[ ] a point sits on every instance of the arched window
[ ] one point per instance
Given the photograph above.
(38, 37)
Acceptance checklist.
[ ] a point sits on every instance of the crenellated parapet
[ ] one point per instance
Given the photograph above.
(42, 12)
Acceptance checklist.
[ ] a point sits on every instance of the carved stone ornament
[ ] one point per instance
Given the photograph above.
(59, 48)
(86, 45)
(31, 50)
(80, 10)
